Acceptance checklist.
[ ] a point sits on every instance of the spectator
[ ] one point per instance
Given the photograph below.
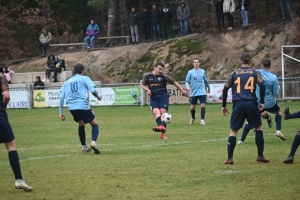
(38, 84)
(51, 63)
(45, 38)
(167, 17)
(220, 14)
(244, 5)
(183, 14)
(228, 9)
(134, 20)
(8, 74)
(286, 3)
(60, 67)
(145, 17)
(155, 18)
(92, 31)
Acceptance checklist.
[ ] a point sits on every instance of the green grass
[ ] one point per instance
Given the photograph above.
(136, 164)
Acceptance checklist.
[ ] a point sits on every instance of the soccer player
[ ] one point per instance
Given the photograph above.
(243, 83)
(155, 84)
(75, 91)
(271, 105)
(7, 136)
(296, 141)
(196, 83)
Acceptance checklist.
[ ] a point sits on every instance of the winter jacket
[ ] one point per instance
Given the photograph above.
(61, 64)
(228, 6)
(246, 4)
(93, 30)
(134, 18)
(155, 16)
(45, 38)
(219, 7)
(8, 75)
(167, 17)
(145, 17)
(51, 63)
(183, 12)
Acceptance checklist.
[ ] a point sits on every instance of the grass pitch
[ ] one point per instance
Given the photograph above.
(136, 164)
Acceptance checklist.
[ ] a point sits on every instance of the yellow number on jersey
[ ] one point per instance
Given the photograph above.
(249, 85)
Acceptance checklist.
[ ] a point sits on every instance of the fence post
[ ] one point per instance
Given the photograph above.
(29, 96)
(143, 95)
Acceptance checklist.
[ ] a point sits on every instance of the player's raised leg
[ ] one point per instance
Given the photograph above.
(295, 145)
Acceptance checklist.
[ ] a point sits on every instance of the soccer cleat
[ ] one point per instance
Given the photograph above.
(229, 161)
(202, 122)
(86, 149)
(262, 159)
(240, 142)
(280, 135)
(95, 148)
(270, 123)
(160, 128)
(22, 185)
(192, 121)
(289, 160)
(163, 136)
(286, 113)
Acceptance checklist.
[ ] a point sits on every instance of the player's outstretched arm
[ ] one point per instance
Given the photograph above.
(62, 117)
(6, 98)
(181, 89)
(146, 89)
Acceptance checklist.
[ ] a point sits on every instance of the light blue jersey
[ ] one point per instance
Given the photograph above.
(272, 88)
(196, 80)
(75, 91)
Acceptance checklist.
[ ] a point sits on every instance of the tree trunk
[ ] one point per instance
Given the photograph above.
(123, 17)
(256, 11)
(111, 23)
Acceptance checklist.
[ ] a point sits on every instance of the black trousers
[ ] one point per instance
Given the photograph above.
(167, 27)
(146, 28)
(230, 18)
(48, 71)
(44, 46)
(56, 70)
(220, 20)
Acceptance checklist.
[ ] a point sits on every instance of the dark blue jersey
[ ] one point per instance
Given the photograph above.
(243, 83)
(157, 84)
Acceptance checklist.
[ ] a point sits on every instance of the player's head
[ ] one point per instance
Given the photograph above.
(266, 63)
(78, 69)
(158, 68)
(245, 58)
(196, 63)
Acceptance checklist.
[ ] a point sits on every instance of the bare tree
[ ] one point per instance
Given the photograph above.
(111, 23)
(123, 17)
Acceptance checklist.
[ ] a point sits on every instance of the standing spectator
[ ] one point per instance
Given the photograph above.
(45, 38)
(51, 63)
(244, 5)
(286, 3)
(183, 14)
(145, 17)
(7, 136)
(228, 9)
(220, 14)
(38, 84)
(92, 31)
(8, 74)
(167, 17)
(155, 18)
(59, 67)
(134, 20)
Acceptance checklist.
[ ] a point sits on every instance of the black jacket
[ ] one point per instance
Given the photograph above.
(167, 17)
(134, 18)
(145, 17)
(219, 6)
(155, 16)
(246, 4)
(51, 63)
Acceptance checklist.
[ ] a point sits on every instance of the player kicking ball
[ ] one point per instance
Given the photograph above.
(75, 91)
(155, 84)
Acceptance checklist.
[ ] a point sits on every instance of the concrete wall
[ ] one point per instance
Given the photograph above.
(29, 77)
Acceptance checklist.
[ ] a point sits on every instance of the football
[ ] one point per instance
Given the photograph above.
(166, 118)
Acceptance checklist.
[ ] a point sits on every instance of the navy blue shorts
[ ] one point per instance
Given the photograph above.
(159, 101)
(85, 115)
(6, 133)
(245, 109)
(274, 109)
(194, 100)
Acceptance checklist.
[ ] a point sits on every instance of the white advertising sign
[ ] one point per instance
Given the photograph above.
(18, 99)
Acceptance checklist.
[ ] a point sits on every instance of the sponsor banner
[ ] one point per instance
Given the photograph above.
(18, 99)
(39, 98)
(46, 98)
(215, 95)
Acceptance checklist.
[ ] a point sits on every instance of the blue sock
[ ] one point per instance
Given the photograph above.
(95, 132)
(295, 114)
(193, 113)
(278, 119)
(202, 113)
(259, 140)
(295, 144)
(15, 164)
(230, 146)
(159, 122)
(81, 134)
(245, 132)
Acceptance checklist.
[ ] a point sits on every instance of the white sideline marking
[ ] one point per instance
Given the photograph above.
(224, 172)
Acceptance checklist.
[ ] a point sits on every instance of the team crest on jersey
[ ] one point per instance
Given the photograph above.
(159, 79)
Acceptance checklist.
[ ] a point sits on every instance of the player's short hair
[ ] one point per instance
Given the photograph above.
(78, 68)
(245, 58)
(266, 62)
(159, 64)
(196, 59)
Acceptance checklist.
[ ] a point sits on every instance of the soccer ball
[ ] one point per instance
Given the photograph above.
(166, 118)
